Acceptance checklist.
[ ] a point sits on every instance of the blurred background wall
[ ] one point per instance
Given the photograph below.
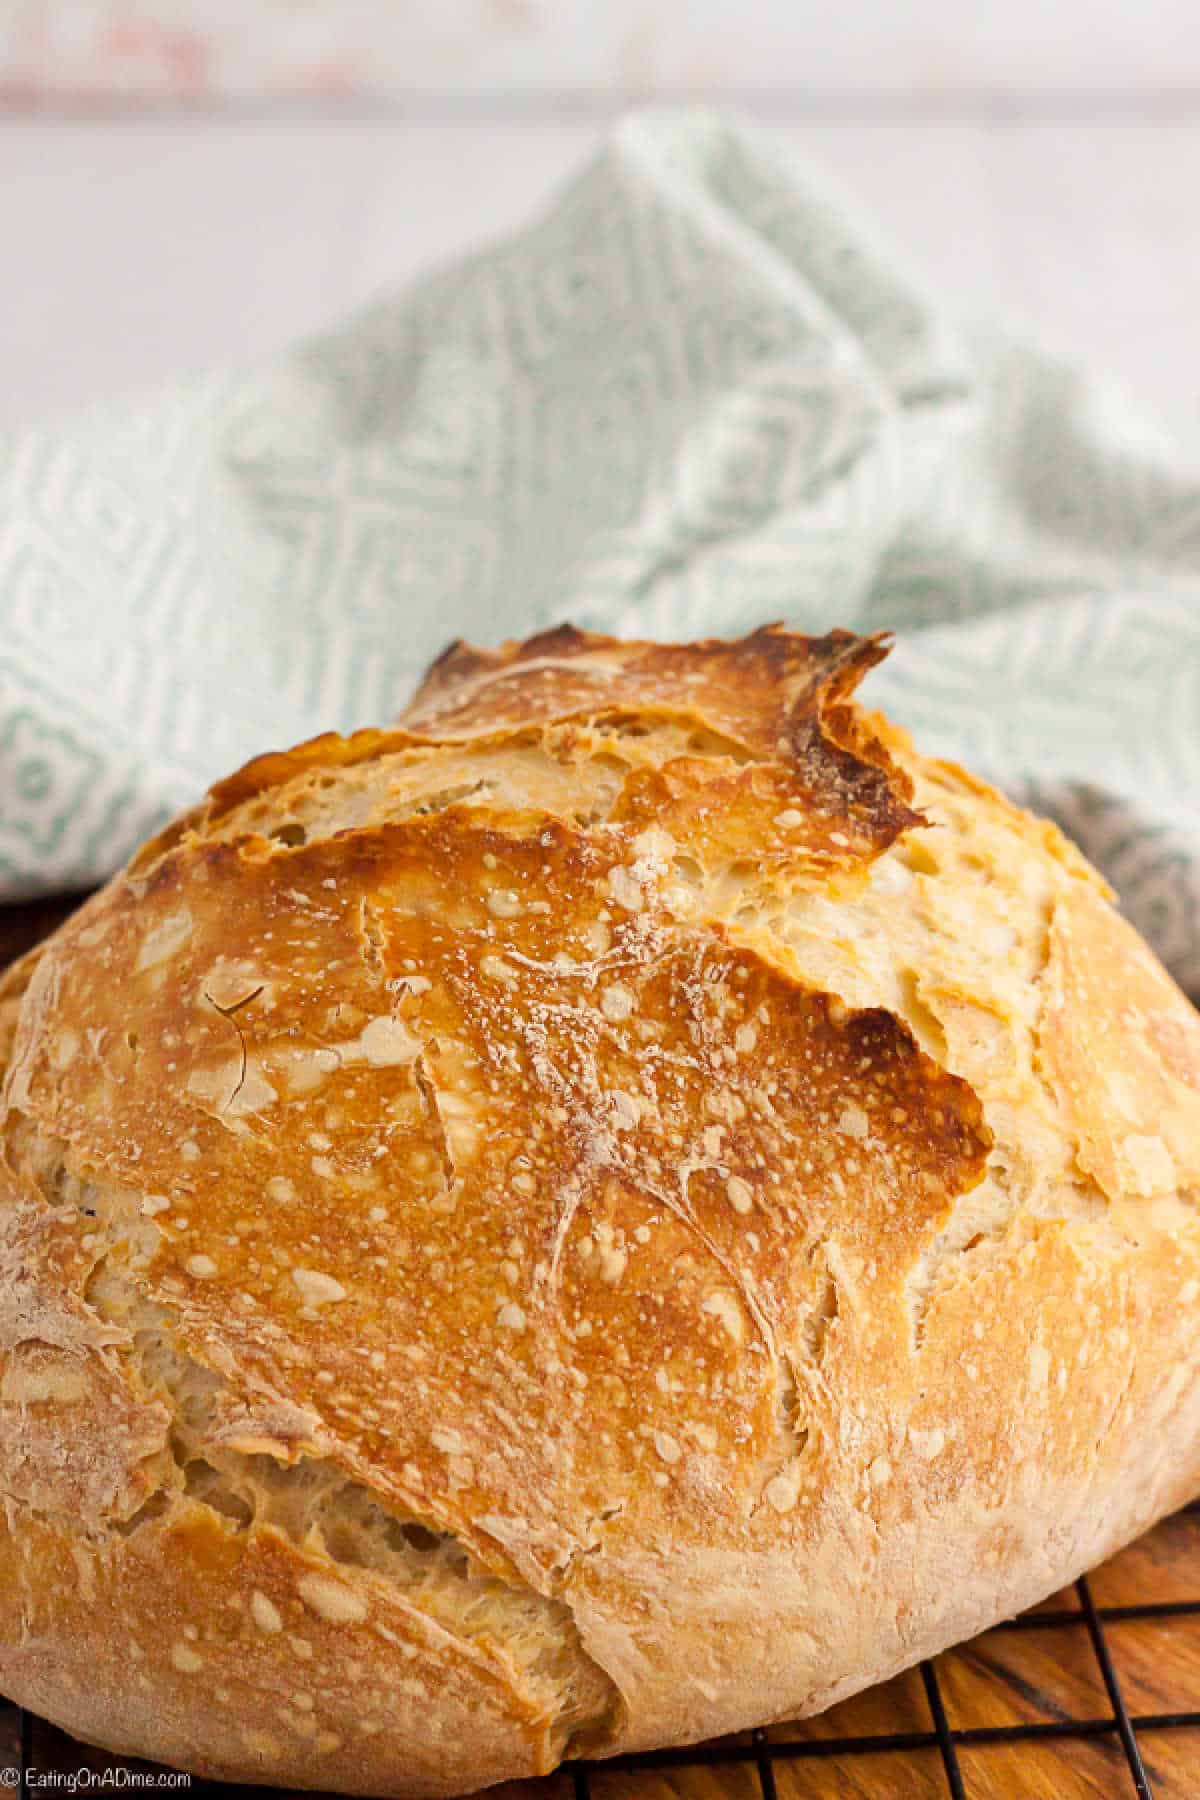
(193, 181)
(921, 51)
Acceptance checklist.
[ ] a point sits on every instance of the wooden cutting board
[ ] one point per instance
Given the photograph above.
(1095, 1693)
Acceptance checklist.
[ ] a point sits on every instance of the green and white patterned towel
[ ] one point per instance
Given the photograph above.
(693, 396)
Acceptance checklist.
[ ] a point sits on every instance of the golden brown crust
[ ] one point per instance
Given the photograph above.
(544, 1205)
(1122, 1047)
(750, 755)
(781, 698)
(755, 691)
(232, 1667)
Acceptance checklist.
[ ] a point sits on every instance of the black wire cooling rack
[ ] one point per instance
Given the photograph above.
(790, 1763)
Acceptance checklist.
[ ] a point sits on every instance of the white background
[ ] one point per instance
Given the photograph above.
(571, 48)
(1036, 160)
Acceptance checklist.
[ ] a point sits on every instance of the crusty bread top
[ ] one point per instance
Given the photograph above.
(747, 748)
(554, 1115)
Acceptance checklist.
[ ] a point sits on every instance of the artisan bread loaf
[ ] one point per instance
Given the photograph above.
(626, 1207)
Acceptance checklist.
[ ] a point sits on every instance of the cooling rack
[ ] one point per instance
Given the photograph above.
(1095, 1693)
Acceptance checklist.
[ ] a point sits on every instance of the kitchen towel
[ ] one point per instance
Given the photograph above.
(693, 396)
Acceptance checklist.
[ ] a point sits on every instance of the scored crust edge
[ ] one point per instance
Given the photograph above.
(271, 1601)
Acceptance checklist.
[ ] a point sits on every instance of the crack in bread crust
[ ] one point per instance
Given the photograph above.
(240, 1457)
(251, 1459)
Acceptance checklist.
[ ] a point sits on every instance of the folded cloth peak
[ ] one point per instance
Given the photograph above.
(693, 395)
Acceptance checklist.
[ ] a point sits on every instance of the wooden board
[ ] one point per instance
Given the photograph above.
(1025, 1709)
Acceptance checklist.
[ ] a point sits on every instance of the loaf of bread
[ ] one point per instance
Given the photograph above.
(627, 1207)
